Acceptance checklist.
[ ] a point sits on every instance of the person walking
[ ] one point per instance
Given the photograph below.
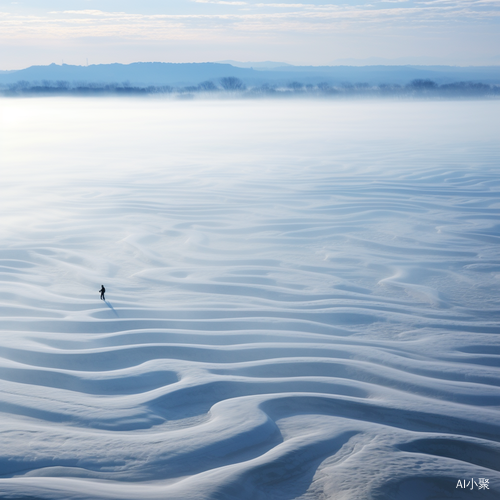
(101, 291)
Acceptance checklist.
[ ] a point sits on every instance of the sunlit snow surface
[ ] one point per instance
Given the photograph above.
(302, 299)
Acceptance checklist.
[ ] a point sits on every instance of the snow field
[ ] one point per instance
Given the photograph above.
(302, 299)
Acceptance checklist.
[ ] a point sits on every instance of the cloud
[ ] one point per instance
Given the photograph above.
(87, 12)
(270, 18)
(220, 2)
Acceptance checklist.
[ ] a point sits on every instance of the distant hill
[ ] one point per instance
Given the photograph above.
(184, 74)
(413, 61)
(135, 73)
(393, 74)
(265, 65)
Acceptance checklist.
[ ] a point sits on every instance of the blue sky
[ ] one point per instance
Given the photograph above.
(303, 32)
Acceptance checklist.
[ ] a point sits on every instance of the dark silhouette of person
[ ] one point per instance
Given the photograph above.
(102, 290)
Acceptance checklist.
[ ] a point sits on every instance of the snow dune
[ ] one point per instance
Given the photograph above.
(302, 299)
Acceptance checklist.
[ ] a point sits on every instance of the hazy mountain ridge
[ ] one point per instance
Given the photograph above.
(193, 73)
(135, 73)
(262, 65)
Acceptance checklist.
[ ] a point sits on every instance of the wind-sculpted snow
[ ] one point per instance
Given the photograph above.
(302, 300)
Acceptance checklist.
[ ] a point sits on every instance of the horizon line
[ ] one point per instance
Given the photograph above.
(278, 65)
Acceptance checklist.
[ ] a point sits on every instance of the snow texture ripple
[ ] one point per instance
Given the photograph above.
(302, 299)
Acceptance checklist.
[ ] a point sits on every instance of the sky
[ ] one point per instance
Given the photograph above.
(309, 32)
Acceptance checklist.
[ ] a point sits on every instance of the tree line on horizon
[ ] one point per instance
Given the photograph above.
(234, 86)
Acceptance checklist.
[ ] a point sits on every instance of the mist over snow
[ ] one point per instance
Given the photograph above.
(302, 299)
(189, 80)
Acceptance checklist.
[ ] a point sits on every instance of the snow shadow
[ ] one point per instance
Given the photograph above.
(111, 307)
